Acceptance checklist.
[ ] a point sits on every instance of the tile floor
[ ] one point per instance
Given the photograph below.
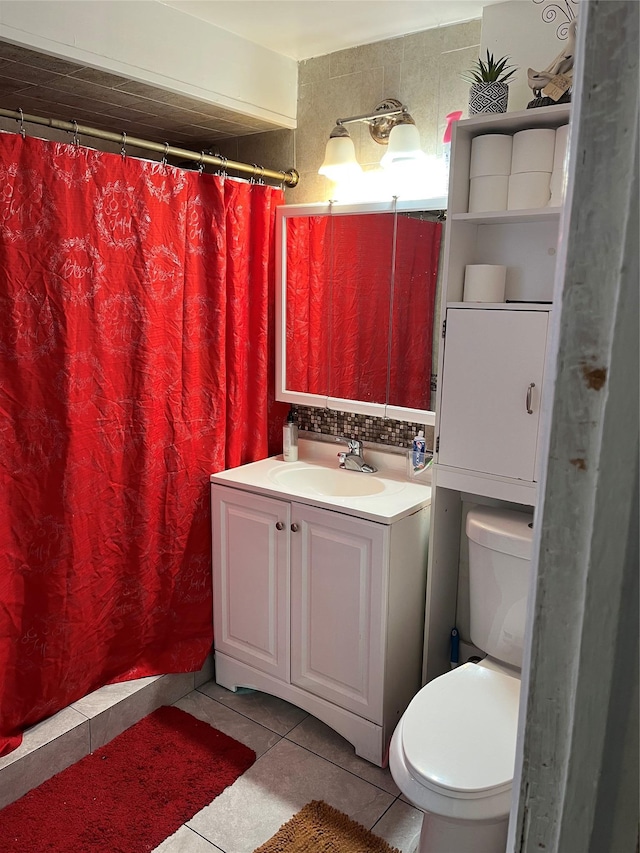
(298, 759)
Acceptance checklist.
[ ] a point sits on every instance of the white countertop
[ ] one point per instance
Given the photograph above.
(398, 498)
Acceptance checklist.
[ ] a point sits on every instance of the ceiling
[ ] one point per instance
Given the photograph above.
(45, 85)
(301, 29)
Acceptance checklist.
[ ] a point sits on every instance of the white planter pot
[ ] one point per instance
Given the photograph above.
(488, 98)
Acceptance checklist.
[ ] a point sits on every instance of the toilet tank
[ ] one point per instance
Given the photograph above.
(499, 566)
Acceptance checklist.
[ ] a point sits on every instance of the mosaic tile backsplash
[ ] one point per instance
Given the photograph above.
(363, 427)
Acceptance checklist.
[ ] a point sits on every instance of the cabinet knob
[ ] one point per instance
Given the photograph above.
(294, 527)
(279, 525)
(532, 385)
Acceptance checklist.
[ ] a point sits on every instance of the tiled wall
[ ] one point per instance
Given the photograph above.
(420, 69)
(364, 427)
(423, 71)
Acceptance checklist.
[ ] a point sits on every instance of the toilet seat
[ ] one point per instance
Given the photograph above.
(458, 737)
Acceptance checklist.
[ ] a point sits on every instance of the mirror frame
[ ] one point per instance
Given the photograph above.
(289, 211)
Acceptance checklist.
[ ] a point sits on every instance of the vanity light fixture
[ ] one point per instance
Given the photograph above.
(404, 145)
(390, 124)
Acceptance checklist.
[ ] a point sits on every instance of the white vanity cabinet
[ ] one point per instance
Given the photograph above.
(491, 390)
(321, 608)
(338, 608)
(251, 578)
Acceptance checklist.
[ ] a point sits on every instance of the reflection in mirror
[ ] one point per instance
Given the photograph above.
(362, 251)
(356, 308)
(308, 264)
(413, 297)
(338, 303)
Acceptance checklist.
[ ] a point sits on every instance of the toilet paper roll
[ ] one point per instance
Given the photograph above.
(557, 188)
(484, 283)
(488, 193)
(560, 149)
(490, 155)
(533, 150)
(529, 190)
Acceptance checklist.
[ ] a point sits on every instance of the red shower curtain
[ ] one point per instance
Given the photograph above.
(135, 353)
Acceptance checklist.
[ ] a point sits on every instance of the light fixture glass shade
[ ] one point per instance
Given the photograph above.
(340, 159)
(404, 146)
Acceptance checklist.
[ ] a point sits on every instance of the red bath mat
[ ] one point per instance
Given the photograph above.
(129, 795)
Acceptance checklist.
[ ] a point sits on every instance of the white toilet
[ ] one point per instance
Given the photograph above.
(453, 752)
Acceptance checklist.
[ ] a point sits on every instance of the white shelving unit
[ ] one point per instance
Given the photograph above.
(491, 369)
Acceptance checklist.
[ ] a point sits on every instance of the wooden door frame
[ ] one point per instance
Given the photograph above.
(576, 782)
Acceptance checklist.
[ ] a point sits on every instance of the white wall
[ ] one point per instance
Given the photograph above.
(156, 44)
(517, 29)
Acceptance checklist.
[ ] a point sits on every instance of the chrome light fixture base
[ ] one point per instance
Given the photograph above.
(381, 127)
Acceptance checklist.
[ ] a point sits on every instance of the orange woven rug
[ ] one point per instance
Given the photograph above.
(319, 828)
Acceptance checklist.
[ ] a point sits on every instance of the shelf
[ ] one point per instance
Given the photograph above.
(512, 122)
(505, 217)
(503, 306)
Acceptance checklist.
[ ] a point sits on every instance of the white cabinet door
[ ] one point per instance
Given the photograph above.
(338, 613)
(492, 380)
(250, 579)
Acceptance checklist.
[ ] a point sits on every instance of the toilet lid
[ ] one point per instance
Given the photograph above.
(459, 732)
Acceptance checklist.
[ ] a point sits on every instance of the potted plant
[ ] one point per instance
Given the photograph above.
(489, 92)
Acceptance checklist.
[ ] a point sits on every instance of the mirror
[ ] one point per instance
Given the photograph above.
(356, 306)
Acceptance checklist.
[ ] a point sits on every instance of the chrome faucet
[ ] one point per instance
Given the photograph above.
(352, 460)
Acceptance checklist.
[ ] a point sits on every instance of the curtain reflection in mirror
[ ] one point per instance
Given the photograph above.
(343, 337)
(414, 282)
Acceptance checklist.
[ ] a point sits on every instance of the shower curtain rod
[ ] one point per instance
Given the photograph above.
(289, 178)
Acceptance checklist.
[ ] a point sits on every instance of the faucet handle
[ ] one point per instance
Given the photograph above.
(355, 445)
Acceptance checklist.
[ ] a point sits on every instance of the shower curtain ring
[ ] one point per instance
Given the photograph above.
(75, 139)
(253, 178)
(23, 131)
(164, 156)
(222, 171)
(123, 149)
(201, 162)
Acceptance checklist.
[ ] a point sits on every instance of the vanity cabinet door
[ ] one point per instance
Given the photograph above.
(250, 579)
(491, 391)
(338, 610)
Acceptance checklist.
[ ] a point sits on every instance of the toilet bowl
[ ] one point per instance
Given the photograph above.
(453, 752)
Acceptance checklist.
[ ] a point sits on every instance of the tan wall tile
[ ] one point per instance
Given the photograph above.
(420, 69)
(461, 35)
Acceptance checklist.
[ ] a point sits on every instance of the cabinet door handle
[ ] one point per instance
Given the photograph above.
(532, 385)
(295, 527)
(279, 525)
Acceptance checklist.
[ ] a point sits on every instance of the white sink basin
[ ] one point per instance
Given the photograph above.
(334, 482)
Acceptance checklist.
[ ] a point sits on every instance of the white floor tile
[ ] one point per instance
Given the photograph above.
(319, 738)
(278, 785)
(400, 826)
(269, 711)
(186, 841)
(237, 726)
